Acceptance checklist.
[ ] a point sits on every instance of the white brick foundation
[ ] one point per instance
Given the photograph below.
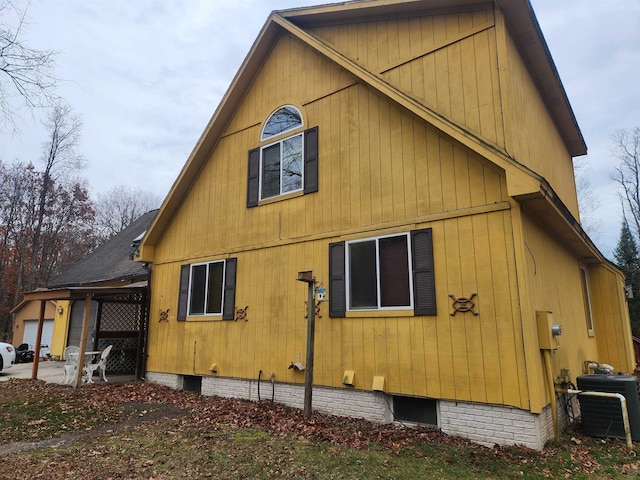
(491, 424)
(481, 423)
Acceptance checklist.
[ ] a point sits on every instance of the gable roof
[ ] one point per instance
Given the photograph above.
(522, 24)
(111, 262)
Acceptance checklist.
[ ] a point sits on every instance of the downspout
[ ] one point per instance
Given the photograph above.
(623, 407)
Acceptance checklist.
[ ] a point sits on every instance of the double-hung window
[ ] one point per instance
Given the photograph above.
(207, 289)
(390, 272)
(287, 160)
(379, 273)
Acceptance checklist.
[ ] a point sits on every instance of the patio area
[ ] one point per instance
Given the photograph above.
(52, 372)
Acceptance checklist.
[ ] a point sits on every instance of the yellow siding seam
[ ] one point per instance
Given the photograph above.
(385, 227)
(440, 46)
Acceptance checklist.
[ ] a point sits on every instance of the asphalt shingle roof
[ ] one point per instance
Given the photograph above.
(111, 261)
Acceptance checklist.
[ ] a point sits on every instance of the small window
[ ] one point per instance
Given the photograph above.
(587, 299)
(207, 289)
(417, 410)
(281, 167)
(379, 273)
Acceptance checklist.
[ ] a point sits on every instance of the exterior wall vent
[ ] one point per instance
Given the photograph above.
(601, 416)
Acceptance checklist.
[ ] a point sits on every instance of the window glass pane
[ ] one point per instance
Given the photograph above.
(282, 120)
(394, 272)
(271, 171)
(292, 164)
(587, 299)
(214, 297)
(197, 294)
(363, 290)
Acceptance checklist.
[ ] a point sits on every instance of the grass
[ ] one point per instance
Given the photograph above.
(142, 431)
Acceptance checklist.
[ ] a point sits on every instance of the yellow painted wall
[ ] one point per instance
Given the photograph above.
(531, 136)
(446, 61)
(380, 170)
(553, 283)
(30, 311)
(383, 170)
(611, 318)
(60, 328)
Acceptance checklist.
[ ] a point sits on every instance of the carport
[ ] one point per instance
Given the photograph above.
(117, 305)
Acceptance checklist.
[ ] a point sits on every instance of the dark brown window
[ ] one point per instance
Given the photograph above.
(387, 272)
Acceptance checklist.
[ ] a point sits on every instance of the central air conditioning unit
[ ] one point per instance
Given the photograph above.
(602, 416)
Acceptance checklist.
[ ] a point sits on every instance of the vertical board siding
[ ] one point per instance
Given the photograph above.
(553, 280)
(531, 136)
(378, 167)
(435, 59)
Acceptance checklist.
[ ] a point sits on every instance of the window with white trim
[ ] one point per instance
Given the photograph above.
(379, 273)
(388, 272)
(287, 160)
(281, 168)
(207, 288)
(587, 299)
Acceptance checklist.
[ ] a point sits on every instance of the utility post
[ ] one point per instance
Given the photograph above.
(310, 280)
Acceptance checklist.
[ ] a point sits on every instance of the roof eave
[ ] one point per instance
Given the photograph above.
(533, 48)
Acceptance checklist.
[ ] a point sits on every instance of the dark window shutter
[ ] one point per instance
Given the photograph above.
(337, 280)
(424, 287)
(253, 179)
(311, 160)
(229, 299)
(183, 295)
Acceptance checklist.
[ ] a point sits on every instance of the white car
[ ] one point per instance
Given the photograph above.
(7, 355)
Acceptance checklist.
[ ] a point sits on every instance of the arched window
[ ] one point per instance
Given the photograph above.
(282, 120)
(286, 165)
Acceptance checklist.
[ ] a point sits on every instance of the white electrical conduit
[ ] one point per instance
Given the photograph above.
(623, 407)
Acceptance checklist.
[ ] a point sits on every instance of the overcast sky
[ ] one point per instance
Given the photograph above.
(146, 76)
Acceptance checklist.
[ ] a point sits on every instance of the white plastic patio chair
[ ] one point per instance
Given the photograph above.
(88, 370)
(71, 355)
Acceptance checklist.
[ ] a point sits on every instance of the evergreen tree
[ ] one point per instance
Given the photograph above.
(626, 257)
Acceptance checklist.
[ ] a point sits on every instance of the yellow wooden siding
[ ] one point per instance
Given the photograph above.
(447, 61)
(463, 357)
(531, 135)
(611, 318)
(379, 168)
(554, 284)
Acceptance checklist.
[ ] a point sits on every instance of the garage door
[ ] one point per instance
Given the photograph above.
(31, 331)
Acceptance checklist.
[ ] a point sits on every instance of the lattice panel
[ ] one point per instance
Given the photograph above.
(122, 358)
(120, 317)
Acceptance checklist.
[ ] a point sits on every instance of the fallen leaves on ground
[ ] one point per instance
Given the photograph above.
(102, 408)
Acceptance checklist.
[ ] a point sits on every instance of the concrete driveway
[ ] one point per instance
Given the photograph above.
(52, 372)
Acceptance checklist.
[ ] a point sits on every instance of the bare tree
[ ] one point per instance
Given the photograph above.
(60, 158)
(626, 148)
(26, 74)
(121, 205)
(588, 202)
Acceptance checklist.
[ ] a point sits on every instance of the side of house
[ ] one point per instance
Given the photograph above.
(410, 155)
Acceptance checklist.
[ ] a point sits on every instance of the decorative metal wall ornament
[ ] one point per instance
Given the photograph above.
(241, 314)
(164, 315)
(317, 313)
(463, 304)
